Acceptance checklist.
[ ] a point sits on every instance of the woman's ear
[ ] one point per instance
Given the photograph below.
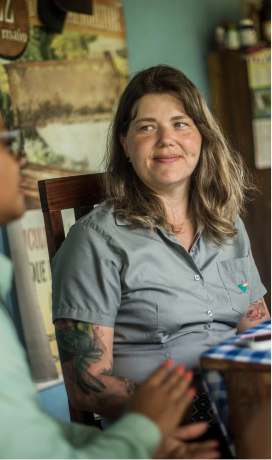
(123, 141)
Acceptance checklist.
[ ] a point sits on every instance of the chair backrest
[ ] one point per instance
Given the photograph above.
(80, 193)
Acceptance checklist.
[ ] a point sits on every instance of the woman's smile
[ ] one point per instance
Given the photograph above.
(167, 158)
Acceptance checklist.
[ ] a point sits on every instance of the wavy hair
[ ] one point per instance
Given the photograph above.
(219, 182)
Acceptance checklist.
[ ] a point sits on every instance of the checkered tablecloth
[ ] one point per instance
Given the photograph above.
(214, 381)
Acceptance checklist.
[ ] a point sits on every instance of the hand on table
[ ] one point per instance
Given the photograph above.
(164, 397)
(175, 445)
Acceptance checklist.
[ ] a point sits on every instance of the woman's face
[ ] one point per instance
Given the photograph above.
(163, 143)
(12, 203)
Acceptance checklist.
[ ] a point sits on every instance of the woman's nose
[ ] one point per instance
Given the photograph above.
(165, 137)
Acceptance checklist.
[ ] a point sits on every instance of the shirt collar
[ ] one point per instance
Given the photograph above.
(127, 222)
(121, 222)
(6, 272)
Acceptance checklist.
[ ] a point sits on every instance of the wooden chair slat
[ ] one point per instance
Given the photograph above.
(51, 244)
(58, 229)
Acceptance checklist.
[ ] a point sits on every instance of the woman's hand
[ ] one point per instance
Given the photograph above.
(177, 446)
(164, 397)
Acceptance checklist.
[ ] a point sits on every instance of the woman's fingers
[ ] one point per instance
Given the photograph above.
(174, 385)
(205, 449)
(196, 450)
(177, 384)
(192, 431)
(174, 381)
(176, 375)
(159, 375)
(184, 402)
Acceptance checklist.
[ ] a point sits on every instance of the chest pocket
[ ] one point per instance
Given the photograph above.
(235, 274)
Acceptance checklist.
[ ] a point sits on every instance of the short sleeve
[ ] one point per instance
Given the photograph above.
(85, 278)
(257, 289)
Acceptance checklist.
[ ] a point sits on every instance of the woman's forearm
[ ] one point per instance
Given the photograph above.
(108, 397)
(87, 364)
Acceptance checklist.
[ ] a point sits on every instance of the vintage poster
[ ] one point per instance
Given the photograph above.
(61, 89)
(36, 246)
(259, 80)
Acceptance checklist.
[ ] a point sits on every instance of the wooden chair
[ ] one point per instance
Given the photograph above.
(80, 193)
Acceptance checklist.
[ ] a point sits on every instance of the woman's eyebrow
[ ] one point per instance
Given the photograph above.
(145, 119)
(178, 117)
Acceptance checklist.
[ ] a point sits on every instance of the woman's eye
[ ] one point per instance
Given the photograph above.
(146, 128)
(179, 124)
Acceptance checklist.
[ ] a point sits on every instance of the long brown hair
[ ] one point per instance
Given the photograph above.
(218, 184)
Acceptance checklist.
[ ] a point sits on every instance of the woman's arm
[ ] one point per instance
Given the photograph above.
(86, 358)
(257, 313)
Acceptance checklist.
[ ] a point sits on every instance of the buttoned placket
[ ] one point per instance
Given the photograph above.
(198, 277)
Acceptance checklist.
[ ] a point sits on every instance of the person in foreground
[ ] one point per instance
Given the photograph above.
(163, 267)
(26, 431)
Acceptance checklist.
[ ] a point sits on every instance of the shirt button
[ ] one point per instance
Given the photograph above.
(197, 277)
(206, 326)
(209, 312)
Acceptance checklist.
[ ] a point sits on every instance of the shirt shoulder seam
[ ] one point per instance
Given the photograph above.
(100, 233)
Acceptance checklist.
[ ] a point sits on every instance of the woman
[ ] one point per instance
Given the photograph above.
(163, 267)
(26, 431)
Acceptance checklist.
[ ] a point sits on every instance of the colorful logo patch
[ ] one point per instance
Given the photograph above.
(243, 287)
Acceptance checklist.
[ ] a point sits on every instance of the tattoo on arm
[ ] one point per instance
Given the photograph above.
(76, 343)
(130, 385)
(256, 311)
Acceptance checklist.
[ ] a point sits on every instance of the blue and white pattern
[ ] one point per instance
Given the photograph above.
(214, 381)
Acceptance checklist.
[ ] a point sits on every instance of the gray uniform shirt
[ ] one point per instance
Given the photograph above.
(161, 300)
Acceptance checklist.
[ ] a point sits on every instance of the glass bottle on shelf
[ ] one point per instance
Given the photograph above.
(232, 37)
(248, 32)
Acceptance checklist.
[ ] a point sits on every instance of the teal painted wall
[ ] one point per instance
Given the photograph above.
(176, 32)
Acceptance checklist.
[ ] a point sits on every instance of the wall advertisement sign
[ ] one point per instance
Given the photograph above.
(36, 246)
(14, 28)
